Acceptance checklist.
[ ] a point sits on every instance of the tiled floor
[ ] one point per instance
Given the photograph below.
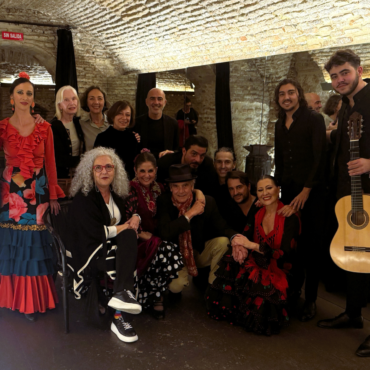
(186, 339)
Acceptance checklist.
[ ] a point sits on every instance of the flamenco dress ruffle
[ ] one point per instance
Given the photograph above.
(251, 295)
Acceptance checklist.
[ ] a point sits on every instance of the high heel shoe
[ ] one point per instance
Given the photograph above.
(158, 314)
(30, 316)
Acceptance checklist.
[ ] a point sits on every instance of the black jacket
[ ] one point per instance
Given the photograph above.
(206, 181)
(63, 148)
(204, 227)
(171, 132)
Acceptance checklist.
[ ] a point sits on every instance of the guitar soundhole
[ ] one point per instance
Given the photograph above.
(358, 219)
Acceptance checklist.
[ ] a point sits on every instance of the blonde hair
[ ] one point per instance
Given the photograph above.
(84, 181)
(59, 99)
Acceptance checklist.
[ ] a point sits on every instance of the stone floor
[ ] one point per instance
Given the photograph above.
(186, 339)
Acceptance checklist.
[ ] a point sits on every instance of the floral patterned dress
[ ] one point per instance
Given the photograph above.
(28, 182)
(255, 294)
(158, 261)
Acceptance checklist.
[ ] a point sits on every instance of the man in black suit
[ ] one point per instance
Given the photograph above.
(197, 227)
(158, 132)
(194, 153)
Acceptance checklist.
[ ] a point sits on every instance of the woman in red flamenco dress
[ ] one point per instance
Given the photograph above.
(28, 187)
(252, 283)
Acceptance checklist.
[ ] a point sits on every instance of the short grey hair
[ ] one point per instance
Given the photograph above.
(83, 179)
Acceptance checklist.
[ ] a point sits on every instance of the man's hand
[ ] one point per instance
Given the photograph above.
(286, 211)
(239, 253)
(161, 154)
(358, 166)
(299, 201)
(38, 119)
(137, 137)
(133, 222)
(332, 126)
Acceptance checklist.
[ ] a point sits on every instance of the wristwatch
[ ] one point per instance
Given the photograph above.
(135, 214)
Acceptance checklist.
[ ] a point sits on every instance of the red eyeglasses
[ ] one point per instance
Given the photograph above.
(99, 168)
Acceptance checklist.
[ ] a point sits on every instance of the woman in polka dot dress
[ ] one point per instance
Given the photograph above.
(158, 261)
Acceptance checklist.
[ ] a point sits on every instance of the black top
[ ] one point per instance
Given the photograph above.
(192, 116)
(63, 146)
(235, 217)
(340, 139)
(156, 135)
(124, 143)
(204, 227)
(300, 151)
(222, 198)
(170, 134)
(207, 179)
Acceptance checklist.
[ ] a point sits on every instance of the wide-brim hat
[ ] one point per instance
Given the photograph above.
(180, 173)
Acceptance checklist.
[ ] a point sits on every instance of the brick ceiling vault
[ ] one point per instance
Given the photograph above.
(159, 35)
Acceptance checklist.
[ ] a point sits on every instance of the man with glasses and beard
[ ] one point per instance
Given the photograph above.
(299, 169)
(194, 153)
(346, 78)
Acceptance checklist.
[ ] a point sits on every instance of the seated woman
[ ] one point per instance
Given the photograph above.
(252, 284)
(119, 135)
(158, 262)
(68, 136)
(100, 237)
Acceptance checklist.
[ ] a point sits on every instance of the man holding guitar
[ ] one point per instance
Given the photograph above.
(346, 76)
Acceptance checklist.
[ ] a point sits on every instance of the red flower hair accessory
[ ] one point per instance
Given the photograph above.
(24, 75)
(145, 150)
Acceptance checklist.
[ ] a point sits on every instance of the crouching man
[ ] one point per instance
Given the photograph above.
(196, 226)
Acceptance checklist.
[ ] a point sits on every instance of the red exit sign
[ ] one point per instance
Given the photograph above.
(12, 36)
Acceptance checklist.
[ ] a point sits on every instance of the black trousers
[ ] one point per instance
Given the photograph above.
(309, 257)
(126, 255)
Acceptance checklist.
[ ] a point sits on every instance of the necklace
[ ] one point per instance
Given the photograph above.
(113, 220)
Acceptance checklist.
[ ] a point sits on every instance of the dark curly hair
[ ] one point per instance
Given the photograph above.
(343, 56)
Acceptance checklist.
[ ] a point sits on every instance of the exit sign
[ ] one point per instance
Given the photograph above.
(12, 36)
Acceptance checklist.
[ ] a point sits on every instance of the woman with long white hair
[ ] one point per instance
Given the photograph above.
(100, 238)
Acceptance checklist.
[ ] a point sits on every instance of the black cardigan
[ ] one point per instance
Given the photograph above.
(204, 227)
(87, 220)
(63, 148)
(171, 131)
(125, 145)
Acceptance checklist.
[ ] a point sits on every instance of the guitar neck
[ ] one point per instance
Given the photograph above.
(356, 186)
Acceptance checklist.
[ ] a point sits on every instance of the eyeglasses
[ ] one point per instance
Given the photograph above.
(99, 168)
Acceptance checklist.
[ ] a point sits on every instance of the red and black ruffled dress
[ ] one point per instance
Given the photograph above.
(255, 294)
(27, 184)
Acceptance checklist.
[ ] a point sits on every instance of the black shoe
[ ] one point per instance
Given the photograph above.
(125, 301)
(364, 349)
(30, 316)
(124, 330)
(342, 321)
(308, 311)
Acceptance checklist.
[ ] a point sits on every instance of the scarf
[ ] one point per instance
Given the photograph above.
(150, 195)
(186, 245)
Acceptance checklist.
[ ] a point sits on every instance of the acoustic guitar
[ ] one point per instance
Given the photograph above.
(350, 247)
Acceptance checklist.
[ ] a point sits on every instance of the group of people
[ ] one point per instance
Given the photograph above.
(183, 213)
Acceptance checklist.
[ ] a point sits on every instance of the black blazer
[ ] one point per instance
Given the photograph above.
(63, 148)
(171, 131)
(204, 227)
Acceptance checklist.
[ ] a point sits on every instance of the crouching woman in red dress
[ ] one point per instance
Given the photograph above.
(252, 284)
(28, 187)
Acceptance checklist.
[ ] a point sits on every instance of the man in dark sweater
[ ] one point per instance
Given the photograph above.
(300, 148)
(193, 154)
(159, 133)
(197, 227)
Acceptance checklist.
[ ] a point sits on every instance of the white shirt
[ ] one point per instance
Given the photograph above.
(114, 212)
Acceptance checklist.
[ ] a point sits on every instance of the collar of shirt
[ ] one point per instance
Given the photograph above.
(86, 118)
(360, 95)
(296, 115)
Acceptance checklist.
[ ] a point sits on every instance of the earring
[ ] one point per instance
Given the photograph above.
(33, 106)
(12, 103)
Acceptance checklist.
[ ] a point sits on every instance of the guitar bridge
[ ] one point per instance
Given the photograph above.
(356, 249)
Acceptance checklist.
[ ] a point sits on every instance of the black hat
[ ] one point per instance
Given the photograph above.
(180, 173)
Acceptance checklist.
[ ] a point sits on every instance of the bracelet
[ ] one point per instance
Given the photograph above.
(187, 218)
(137, 215)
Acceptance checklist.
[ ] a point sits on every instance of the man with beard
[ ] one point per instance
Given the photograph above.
(158, 132)
(299, 169)
(194, 153)
(346, 78)
(313, 101)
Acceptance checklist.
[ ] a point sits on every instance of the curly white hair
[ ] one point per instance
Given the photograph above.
(83, 179)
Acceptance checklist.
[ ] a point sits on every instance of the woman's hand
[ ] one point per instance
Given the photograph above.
(120, 228)
(299, 201)
(239, 253)
(244, 242)
(54, 206)
(200, 196)
(286, 211)
(38, 119)
(145, 235)
(133, 222)
(137, 137)
(161, 154)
